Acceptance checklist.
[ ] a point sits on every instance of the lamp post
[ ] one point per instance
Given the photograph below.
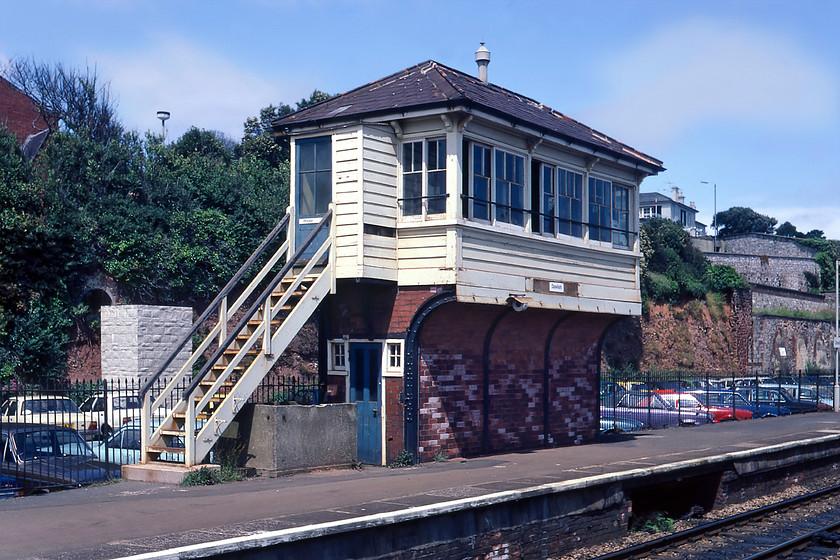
(714, 216)
(836, 336)
(163, 116)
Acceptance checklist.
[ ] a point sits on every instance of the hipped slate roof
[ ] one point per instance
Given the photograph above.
(431, 85)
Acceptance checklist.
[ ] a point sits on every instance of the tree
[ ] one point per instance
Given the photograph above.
(787, 229)
(258, 139)
(672, 268)
(744, 220)
(70, 99)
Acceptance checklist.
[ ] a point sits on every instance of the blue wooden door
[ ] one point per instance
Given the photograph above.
(365, 384)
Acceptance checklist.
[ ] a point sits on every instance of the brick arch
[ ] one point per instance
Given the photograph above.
(483, 374)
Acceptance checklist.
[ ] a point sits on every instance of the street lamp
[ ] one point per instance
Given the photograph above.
(714, 217)
(836, 336)
(163, 116)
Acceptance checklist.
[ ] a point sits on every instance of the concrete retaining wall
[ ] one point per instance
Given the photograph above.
(136, 339)
(287, 438)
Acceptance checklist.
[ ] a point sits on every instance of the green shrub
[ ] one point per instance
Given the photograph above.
(404, 459)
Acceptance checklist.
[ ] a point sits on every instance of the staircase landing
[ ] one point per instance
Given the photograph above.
(160, 473)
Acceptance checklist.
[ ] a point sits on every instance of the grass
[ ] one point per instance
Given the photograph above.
(796, 313)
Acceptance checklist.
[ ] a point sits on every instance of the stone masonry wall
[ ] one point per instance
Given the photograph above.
(779, 272)
(765, 297)
(806, 343)
(770, 245)
(136, 339)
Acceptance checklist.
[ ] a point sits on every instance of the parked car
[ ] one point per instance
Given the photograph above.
(103, 413)
(42, 409)
(123, 447)
(653, 412)
(613, 425)
(688, 401)
(729, 399)
(779, 398)
(40, 457)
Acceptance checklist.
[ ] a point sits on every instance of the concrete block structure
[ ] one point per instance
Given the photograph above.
(138, 338)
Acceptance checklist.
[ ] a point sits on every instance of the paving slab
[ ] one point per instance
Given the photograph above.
(127, 518)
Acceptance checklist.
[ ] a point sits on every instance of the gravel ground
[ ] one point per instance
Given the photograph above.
(797, 489)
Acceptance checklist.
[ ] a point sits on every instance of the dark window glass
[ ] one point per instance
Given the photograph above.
(510, 188)
(481, 182)
(436, 177)
(412, 178)
(314, 166)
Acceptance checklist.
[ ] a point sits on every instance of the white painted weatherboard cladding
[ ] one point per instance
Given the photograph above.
(347, 198)
(379, 201)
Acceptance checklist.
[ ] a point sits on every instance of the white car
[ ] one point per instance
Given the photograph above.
(43, 409)
(102, 414)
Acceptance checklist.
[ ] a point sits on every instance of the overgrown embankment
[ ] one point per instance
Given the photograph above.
(689, 336)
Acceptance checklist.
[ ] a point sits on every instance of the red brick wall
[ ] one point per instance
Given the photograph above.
(451, 408)
(394, 418)
(451, 370)
(18, 112)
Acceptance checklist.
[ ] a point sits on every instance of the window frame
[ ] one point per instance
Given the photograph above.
(338, 349)
(498, 175)
(433, 151)
(394, 370)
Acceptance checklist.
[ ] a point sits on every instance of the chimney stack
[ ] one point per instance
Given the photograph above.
(482, 58)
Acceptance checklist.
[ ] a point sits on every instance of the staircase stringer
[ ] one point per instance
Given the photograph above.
(259, 368)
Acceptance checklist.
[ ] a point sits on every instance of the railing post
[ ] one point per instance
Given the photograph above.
(223, 311)
(145, 426)
(189, 432)
(267, 326)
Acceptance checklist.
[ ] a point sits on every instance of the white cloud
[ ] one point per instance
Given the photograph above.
(825, 218)
(706, 71)
(198, 87)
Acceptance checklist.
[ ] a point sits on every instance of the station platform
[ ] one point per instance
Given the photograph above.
(148, 520)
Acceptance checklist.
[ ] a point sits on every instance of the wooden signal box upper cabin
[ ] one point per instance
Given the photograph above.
(483, 244)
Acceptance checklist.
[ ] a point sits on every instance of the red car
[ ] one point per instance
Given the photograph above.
(685, 401)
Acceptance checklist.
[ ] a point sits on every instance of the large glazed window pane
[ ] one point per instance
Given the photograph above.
(437, 192)
(412, 192)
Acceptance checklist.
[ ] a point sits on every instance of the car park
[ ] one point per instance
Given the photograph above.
(102, 414)
(689, 402)
(123, 447)
(43, 457)
(653, 412)
(731, 399)
(779, 398)
(43, 409)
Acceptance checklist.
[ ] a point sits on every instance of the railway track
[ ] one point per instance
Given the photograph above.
(807, 526)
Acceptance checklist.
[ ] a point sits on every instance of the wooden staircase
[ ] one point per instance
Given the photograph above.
(183, 416)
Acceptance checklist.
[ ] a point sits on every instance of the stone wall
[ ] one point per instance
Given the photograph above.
(805, 342)
(766, 297)
(768, 245)
(136, 339)
(780, 272)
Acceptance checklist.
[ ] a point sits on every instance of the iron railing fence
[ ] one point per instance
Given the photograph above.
(60, 434)
(650, 398)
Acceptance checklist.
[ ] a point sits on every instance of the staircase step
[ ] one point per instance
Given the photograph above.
(165, 449)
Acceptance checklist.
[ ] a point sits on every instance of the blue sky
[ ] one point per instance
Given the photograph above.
(744, 94)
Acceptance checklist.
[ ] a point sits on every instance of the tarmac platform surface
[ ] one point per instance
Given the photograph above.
(140, 518)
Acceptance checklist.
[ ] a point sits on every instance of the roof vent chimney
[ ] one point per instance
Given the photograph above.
(482, 58)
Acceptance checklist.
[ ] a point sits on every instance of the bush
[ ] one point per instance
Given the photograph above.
(724, 278)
